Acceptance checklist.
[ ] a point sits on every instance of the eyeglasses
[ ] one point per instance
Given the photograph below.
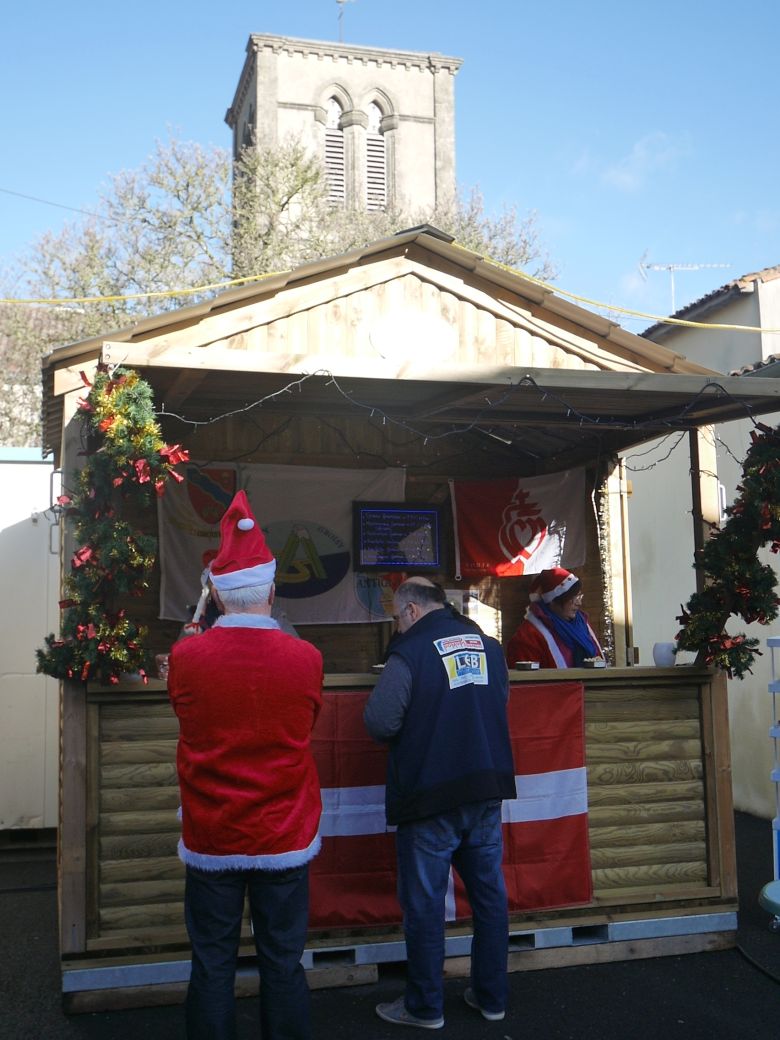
(397, 617)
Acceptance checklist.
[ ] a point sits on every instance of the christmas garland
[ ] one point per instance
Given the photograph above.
(127, 464)
(736, 582)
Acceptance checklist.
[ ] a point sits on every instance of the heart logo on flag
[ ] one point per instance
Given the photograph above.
(523, 530)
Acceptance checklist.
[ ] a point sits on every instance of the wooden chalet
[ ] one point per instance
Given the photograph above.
(413, 352)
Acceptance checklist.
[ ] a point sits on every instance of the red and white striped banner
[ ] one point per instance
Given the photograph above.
(546, 850)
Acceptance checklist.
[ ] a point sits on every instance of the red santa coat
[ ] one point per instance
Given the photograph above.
(536, 641)
(246, 696)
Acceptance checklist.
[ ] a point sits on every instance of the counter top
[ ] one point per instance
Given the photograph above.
(346, 680)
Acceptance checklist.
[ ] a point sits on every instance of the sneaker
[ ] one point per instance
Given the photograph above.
(396, 1013)
(491, 1016)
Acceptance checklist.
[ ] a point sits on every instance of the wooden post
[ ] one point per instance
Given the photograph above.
(721, 839)
(72, 852)
(620, 566)
(704, 491)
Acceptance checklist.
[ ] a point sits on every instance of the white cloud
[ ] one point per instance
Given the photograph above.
(650, 155)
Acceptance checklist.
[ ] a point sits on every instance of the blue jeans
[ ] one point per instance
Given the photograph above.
(279, 907)
(470, 839)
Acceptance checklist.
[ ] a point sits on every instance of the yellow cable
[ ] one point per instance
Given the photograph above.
(62, 302)
(659, 319)
(621, 310)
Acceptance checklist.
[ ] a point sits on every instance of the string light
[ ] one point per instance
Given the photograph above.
(582, 419)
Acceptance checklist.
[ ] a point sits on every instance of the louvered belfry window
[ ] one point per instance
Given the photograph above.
(376, 161)
(334, 154)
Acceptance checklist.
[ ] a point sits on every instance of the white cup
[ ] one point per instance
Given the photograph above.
(663, 655)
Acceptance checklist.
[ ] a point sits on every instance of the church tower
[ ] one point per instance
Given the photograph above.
(383, 121)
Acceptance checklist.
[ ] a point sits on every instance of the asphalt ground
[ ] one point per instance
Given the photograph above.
(727, 995)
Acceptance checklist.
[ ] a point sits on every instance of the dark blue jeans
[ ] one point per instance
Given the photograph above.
(279, 907)
(470, 839)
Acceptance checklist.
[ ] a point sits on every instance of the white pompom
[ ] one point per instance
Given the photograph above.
(246, 523)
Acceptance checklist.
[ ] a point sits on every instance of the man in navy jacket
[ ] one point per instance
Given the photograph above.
(440, 705)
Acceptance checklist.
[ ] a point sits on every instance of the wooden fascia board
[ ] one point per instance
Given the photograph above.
(516, 303)
(584, 324)
(217, 327)
(67, 377)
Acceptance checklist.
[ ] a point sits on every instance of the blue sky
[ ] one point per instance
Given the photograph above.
(641, 130)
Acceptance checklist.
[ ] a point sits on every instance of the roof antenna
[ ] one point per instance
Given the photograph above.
(341, 17)
(671, 268)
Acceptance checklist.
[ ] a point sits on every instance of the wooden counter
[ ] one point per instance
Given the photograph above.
(660, 826)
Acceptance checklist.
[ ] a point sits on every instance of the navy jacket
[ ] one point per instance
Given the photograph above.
(453, 748)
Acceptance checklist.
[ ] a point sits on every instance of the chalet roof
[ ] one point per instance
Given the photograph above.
(712, 301)
(431, 336)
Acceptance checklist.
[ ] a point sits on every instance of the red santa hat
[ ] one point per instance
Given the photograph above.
(244, 558)
(534, 595)
(555, 582)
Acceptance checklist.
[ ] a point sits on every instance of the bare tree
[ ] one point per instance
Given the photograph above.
(189, 218)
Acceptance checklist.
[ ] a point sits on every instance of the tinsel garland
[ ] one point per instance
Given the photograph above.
(128, 463)
(736, 581)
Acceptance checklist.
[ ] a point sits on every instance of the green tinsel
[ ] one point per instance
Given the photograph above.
(736, 581)
(127, 463)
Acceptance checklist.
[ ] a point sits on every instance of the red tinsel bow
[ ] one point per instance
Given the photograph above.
(82, 556)
(174, 453)
(142, 471)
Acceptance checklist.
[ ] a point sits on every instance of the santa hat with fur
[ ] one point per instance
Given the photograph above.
(555, 582)
(534, 595)
(244, 558)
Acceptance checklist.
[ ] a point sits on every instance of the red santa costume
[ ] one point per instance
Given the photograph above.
(246, 695)
(539, 636)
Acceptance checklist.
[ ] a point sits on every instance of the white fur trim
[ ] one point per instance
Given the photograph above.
(552, 646)
(279, 861)
(261, 574)
(568, 581)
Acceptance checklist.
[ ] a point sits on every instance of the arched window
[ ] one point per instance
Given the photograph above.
(334, 153)
(376, 160)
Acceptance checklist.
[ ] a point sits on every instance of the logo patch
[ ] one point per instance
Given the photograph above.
(464, 660)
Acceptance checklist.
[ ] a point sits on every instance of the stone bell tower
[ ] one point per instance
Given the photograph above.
(383, 121)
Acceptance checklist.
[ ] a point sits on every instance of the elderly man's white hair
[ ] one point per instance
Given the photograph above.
(236, 600)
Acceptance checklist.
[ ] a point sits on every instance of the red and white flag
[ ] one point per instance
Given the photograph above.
(519, 525)
(546, 850)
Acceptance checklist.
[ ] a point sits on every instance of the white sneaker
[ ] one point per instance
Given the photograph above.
(395, 1012)
(471, 1000)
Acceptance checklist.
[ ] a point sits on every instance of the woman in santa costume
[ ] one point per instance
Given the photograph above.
(555, 632)
(246, 695)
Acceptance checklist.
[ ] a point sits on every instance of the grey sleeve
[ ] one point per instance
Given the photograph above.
(386, 708)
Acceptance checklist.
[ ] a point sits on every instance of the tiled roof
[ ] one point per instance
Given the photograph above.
(710, 301)
(756, 367)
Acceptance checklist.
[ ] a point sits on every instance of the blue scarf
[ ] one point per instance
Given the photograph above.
(573, 634)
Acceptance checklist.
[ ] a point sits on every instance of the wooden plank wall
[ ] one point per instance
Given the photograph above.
(649, 793)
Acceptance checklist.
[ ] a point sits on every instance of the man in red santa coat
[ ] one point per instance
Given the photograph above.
(246, 695)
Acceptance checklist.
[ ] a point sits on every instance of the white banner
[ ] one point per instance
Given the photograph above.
(306, 515)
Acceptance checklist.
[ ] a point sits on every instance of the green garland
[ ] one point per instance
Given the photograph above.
(127, 464)
(736, 582)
